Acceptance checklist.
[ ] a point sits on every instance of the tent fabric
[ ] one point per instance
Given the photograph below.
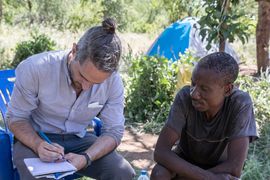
(182, 35)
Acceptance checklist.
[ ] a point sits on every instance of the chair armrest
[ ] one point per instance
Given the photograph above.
(96, 123)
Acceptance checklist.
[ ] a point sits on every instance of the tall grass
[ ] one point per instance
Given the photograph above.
(258, 158)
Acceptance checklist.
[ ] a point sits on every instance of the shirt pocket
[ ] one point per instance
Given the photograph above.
(90, 113)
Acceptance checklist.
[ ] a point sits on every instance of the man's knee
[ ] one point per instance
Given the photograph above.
(124, 171)
(161, 173)
(112, 166)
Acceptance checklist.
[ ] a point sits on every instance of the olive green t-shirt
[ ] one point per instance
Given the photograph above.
(205, 143)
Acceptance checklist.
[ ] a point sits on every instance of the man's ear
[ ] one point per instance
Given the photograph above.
(74, 48)
(228, 89)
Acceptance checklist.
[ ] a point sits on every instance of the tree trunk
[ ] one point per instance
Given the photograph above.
(1, 11)
(263, 35)
(222, 41)
(30, 12)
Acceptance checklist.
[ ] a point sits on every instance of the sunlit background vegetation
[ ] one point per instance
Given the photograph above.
(55, 24)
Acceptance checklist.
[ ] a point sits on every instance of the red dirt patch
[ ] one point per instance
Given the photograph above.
(249, 70)
(138, 149)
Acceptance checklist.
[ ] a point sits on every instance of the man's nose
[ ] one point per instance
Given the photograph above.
(85, 85)
(194, 93)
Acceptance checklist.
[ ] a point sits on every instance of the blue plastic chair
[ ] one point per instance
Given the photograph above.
(7, 169)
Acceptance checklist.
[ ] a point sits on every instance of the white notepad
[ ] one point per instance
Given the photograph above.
(40, 169)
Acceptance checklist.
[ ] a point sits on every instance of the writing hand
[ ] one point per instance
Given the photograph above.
(77, 160)
(50, 153)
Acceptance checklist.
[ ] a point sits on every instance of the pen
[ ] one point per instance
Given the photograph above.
(56, 175)
(43, 136)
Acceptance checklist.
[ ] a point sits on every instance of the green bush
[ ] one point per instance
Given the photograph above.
(150, 88)
(257, 163)
(25, 49)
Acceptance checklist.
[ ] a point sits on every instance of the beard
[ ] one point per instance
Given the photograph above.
(71, 76)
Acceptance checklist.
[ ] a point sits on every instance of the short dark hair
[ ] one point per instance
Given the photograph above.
(223, 64)
(100, 45)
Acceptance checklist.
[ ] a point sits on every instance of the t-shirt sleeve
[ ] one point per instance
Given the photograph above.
(244, 122)
(176, 119)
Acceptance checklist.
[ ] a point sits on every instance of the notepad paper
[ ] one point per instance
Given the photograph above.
(40, 169)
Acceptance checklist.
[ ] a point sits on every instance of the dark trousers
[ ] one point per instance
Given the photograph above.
(112, 166)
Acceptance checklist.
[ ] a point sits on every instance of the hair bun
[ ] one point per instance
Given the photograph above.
(109, 25)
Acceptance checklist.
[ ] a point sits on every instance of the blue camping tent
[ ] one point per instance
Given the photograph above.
(180, 36)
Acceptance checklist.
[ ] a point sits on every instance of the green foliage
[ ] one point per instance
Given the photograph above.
(116, 9)
(153, 127)
(126, 60)
(188, 57)
(52, 12)
(4, 63)
(259, 90)
(140, 16)
(179, 9)
(71, 14)
(23, 50)
(146, 16)
(49, 12)
(210, 24)
(151, 84)
(137, 16)
(257, 164)
(250, 7)
(83, 16)
(265, 75)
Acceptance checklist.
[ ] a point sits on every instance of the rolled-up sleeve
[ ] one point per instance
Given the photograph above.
(24, 96)
(112, 118)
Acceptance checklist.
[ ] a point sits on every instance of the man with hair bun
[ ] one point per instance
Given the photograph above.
(59, 93)
(211, 122)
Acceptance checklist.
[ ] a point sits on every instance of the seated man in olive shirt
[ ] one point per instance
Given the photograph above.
(212, 123)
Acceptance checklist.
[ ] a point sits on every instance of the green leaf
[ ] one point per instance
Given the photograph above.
(208, 47)
(158, 102)
(225, 33)
(247, 38)
(217, 14)
(130, 115)
(203, 33)
(229, 28)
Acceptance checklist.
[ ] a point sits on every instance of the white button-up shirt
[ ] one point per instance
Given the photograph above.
(44, 97)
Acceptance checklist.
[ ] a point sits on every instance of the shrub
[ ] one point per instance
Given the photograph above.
(151, 84)
(257, 163)
(25, 49)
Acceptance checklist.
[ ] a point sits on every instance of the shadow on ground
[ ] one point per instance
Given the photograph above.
(138, 148)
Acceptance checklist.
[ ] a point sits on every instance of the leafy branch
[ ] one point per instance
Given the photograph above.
(221, 23)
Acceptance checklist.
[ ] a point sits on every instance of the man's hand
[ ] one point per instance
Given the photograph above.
(217, 176)
(77, 160)
(50, 153)
(226, 176)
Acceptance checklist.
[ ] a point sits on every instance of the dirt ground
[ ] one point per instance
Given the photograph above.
(248, 69)
(138, 148)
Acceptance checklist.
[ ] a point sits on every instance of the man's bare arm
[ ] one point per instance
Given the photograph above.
(25, 133)
(164, 156)
(103, 146)
(237, 152)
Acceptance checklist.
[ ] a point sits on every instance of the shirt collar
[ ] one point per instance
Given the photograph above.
(65, 66)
